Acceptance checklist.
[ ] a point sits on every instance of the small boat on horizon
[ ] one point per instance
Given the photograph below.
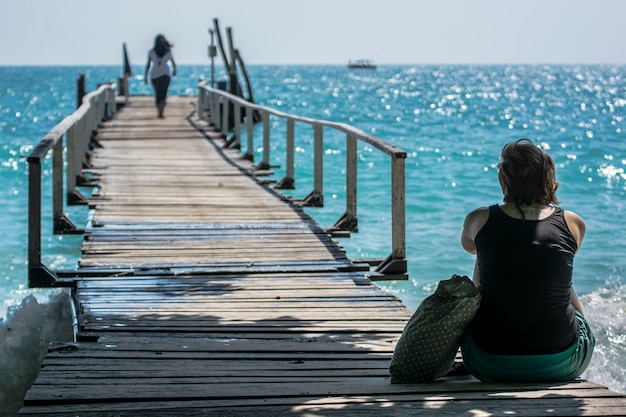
(361, 64)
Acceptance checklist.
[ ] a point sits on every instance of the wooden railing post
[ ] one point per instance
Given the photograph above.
(38, 274)
(395, 263)
(123, 89)
(111, 107)
(265, 162)
(81, 89)
(289, 182)
(92, 113)
(236, 127)
(250, 133)
(74, 165)
(225, 127)
(217, 111)
(213, 108)
(61, 224)
(73, 170)
(201, 104)
(349, 220)
(316, 197)
(398, 207)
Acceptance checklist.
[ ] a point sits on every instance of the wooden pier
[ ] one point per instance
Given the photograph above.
(202, 291)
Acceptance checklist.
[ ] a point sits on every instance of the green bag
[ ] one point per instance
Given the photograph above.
(431, 338)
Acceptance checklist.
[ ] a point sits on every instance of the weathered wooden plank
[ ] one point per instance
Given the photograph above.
(360, 406)
(213, 366)
(242, 308)
(275, 336)
(150, 323)
(233, 266)
(228, 292)
(379, 387)
(319, 390)
(260, 279)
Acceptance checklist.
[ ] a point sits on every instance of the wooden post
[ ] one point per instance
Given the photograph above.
(34, 214)
(398, 207)
(245, 76)
(225, 128)
(316, 197)
(237, 127)
(60, 223)
(57, 186)
(395, 266)
(215, 111)
(38, 274)
(288, 182)
(81, 90)
(200, 104)
(265, 163)
(319, 163)
(348, 221)
(351, 176)
(212, 55)
(220, 44)
(233, 86)
(250, 133)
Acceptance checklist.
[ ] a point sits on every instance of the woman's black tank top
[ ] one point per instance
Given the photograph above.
(525, 274)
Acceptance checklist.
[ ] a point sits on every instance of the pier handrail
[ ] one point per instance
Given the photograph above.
(79, 129)
(220, 104)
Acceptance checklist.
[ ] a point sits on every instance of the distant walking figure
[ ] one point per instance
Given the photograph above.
(158, 57)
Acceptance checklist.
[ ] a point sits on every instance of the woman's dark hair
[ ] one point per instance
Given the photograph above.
(161, 45)
(527, 174)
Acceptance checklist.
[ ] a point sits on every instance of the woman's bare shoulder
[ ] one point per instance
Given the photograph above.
(474, 221)
(480, 213)
(576, 225)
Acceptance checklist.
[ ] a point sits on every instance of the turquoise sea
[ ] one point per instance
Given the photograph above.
(451, 119)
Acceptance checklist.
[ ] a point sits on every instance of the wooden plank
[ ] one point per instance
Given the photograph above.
(379, 387)
(361, 406)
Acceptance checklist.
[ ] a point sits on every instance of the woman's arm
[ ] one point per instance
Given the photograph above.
(145, 75)
(476, 275)
(173, 67)
(574, 301)
(474, 221)
(577, 226)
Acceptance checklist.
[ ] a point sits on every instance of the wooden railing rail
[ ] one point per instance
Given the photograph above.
(219, 104)
(79, 130)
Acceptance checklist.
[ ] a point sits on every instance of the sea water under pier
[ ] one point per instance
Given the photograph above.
(202, 291)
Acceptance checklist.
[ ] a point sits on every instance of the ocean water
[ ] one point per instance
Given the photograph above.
(452, 120)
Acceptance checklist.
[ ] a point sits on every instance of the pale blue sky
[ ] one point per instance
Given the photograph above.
(83, 32)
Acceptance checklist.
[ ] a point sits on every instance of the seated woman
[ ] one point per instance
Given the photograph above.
(530, 325)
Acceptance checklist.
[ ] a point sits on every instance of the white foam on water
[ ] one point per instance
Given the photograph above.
(24, 338)
(605, 309)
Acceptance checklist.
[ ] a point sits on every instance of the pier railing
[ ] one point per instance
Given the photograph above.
(79, 131)
(229, 112)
